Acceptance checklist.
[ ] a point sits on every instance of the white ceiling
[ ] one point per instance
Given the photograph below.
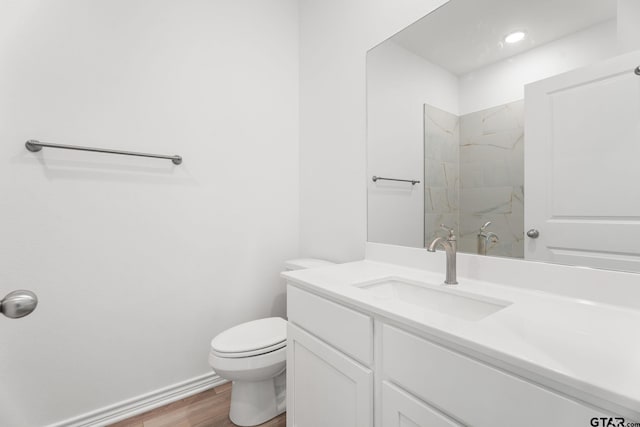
(464, 35)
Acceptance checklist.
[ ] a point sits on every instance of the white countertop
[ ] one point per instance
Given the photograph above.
(586, 349)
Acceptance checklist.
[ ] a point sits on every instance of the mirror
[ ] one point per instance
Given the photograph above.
(515, 123)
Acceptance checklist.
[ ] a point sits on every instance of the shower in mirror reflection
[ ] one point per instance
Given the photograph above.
(474, 173)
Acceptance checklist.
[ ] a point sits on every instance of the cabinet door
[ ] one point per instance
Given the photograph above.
(400, 409)
(324, 386)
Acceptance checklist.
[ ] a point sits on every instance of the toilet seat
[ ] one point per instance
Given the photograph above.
(256, 352)
(251, 338)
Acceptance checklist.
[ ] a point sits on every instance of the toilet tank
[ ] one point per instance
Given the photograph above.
(304, 263)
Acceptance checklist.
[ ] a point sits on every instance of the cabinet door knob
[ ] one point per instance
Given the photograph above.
(533, 233)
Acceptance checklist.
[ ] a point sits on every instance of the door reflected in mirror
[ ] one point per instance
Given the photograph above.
(514, 116)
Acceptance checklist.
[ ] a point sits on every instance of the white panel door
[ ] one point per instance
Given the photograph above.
(582, 166)
(324, 386)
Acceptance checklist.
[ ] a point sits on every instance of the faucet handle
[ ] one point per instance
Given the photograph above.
(486, 224)
(448, 229)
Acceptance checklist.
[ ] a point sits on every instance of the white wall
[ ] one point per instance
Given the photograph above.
(399, 83)
(628, 28)
(503, 82)
(334, 38)
(139, 263)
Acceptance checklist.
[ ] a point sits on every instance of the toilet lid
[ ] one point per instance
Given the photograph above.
(262, 334)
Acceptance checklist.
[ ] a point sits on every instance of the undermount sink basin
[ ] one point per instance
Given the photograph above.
(435, 297)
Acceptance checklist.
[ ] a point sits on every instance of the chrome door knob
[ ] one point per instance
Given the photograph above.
(533, 233)
(18, 304)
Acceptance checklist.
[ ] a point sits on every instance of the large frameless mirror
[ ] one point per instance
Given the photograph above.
(515, 123)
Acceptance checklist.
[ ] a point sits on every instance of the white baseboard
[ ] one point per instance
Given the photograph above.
(143, 403)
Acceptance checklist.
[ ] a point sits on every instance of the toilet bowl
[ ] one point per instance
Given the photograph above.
(253, 356)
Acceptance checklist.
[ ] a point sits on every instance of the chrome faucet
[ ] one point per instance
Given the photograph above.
(486, 237)
(450, 246)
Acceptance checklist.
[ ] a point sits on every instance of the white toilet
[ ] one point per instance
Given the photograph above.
(253, 356)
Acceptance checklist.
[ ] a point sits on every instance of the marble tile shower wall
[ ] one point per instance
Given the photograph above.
(442, 171)
(492, 178)
(474, 173)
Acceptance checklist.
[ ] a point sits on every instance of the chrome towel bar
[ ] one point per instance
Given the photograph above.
(35, 146)
(412, 181)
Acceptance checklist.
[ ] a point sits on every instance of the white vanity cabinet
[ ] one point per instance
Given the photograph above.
(472, 392)
(334, 376)
(328, 349)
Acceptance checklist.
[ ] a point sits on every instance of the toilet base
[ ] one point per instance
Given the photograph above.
(256, 402)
